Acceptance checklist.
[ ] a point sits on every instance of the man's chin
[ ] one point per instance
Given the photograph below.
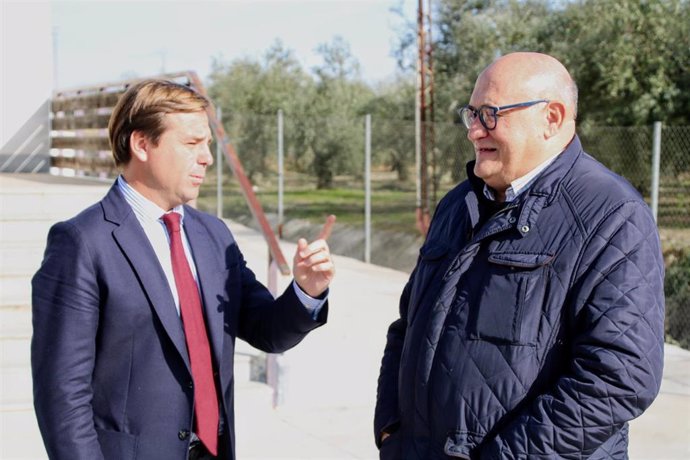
(190, 198)
(492, 178)
(483, 170)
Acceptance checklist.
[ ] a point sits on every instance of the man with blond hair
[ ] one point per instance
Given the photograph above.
(140, 297)
(532, 326)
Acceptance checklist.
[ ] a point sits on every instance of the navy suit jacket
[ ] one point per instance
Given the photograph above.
(111, 373)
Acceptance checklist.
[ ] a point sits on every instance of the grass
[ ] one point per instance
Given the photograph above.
(392, 208)
(393, 204)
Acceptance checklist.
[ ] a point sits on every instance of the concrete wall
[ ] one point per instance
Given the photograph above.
(26, 82)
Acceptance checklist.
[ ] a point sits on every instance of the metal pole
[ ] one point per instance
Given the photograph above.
(418, 132)
(275, 367)
(272, 365)
(656, 161)
(219, 170)
(56, 37)
(431, 142)
(367, 189)
(422, 211)
(272, 284)
(280, 173)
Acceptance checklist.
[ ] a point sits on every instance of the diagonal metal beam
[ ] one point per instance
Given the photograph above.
(245, 185)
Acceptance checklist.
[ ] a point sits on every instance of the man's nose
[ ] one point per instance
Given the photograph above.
(205, 156)
(476, 130)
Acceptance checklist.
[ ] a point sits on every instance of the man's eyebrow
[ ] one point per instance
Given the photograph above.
(198, 138)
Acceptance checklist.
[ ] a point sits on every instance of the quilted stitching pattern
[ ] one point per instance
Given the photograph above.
(596, 363)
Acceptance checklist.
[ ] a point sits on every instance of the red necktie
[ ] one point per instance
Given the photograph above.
(205, 395)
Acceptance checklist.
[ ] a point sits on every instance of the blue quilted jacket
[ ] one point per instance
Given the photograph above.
(536, 333)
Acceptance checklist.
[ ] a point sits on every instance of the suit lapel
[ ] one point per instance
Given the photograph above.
(133, 242)
(210, 277)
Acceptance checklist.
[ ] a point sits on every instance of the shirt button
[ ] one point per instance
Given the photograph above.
(183, 434)
(191, 384)
(525, 228)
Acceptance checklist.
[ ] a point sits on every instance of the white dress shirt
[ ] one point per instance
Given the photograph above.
(520, 184)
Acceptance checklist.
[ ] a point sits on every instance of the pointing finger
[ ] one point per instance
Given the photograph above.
(327, 227)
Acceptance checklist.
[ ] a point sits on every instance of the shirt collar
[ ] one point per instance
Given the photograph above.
(520, 184)
(145, 209)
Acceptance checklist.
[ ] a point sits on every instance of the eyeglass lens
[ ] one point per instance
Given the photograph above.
(487, 116)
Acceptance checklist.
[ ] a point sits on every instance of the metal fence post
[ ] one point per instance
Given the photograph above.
(656, 160)
(276, 367)
(367, 189)
(219, 170)
(280, 173)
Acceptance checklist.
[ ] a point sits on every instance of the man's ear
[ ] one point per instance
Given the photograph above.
(555, 116)
(139, 144)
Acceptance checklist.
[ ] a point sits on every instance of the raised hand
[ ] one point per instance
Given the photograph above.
(312, 265)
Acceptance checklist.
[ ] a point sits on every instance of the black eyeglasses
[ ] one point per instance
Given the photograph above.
(488, 114)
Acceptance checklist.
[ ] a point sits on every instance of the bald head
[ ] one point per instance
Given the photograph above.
(533, 75)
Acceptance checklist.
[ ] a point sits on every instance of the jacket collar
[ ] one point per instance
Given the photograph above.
(523, 214)
(548, 182)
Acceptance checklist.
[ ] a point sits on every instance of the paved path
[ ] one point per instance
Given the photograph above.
(329, 380)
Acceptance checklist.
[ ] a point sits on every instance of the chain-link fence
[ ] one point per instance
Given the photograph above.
(326, 157)
(628, 152)
(323, 173)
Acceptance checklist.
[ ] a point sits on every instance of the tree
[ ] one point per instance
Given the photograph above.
(332, 128)
(250, 93)
(631, 59)
(393, 141)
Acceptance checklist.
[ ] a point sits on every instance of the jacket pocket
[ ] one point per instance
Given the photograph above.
(511, 298)
(459, 444)
(432, 256)
(390, 447)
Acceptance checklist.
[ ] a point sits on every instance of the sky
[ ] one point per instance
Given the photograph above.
(105, 41)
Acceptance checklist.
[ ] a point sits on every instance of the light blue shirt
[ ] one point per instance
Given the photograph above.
(150, 216)
(520, 184)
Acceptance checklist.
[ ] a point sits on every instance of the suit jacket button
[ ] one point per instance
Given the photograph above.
(183, 434)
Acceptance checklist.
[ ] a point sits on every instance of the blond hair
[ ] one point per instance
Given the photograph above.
(142, 108)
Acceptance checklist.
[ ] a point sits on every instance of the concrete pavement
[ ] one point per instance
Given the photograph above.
(328, 381)
(331, 381)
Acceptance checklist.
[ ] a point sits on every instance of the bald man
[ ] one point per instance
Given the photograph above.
(532, 326)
